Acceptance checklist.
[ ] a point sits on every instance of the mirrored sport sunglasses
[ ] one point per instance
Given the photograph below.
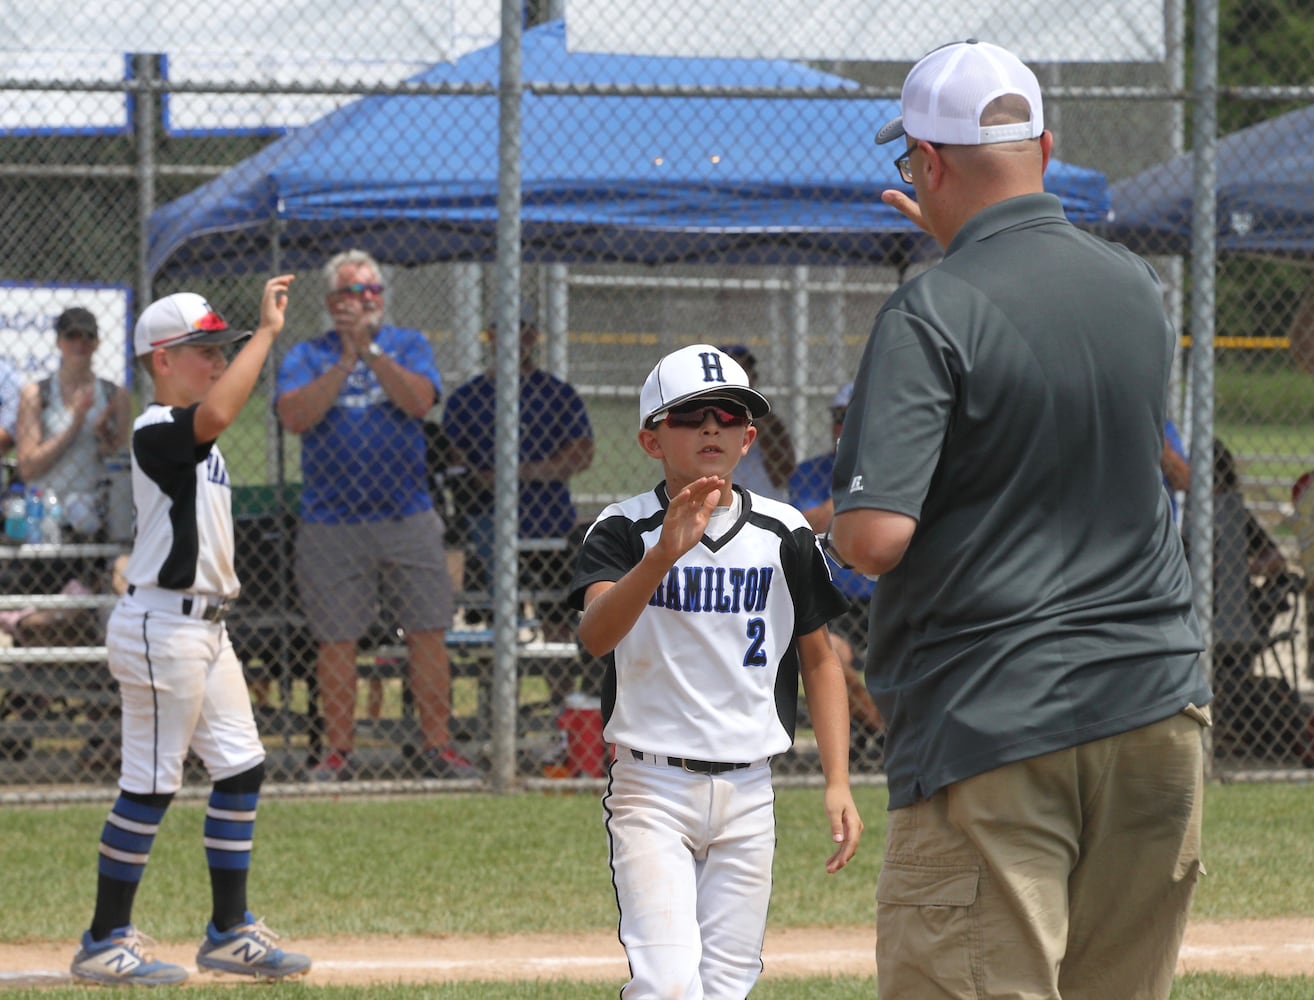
(692, 416)
(358, 288)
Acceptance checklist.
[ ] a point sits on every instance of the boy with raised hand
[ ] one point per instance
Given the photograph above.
(181, 684)
(707, 601)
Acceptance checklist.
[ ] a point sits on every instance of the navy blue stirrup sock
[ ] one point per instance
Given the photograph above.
(229, 831)
(125, 847)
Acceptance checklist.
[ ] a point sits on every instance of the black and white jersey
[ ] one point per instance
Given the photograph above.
(710, 669)
(183, 500)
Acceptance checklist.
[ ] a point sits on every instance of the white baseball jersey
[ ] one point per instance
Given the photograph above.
(183, 500)
(710, 669)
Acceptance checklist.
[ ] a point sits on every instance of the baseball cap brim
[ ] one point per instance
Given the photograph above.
(213, 337)
(890, 131)
(200, 337)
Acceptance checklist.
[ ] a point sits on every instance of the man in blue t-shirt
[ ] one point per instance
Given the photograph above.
(556, 442)
(358, 396)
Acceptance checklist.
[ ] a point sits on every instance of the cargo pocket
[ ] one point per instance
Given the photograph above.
(926, 929)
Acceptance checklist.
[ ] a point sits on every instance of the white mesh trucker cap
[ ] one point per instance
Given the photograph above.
(699, 370)
(946, 91)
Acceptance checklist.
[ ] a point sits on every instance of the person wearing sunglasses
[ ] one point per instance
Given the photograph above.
(358, 395)
(708, 602)
(70, 422)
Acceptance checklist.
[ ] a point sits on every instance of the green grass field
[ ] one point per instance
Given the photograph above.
(473, 864)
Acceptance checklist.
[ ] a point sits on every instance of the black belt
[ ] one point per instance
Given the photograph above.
(697, 766)
(188, 607)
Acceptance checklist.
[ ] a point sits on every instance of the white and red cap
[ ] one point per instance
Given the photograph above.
(181, 318)
(946, 91)
(699, 371)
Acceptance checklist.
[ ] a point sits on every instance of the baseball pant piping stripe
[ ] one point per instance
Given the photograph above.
(611, 852)
(155, 706)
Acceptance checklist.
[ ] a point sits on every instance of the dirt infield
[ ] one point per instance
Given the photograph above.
(1277, 947)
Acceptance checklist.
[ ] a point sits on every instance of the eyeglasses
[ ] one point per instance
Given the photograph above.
(692, 417)
(837, 413)
(903, 163)
(91, 335)
(358, 289)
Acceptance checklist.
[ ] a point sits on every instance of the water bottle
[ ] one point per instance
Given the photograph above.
(52, 529)
(117, 493)
(36, 511)
(16, 514)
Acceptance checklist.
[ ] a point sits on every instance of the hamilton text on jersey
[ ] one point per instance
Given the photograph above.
(714, 588)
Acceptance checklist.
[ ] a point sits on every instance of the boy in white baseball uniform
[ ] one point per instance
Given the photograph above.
(182, 686)
(707, 601)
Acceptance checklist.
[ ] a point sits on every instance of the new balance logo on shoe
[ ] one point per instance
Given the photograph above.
(249, 950)
(122, 962)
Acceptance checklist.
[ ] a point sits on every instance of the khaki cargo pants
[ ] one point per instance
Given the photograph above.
(1067, 875)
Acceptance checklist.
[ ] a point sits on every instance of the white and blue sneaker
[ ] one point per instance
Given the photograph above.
(249, 950)
(123, 959)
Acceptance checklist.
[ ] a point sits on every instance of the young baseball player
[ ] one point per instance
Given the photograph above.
(707, 600)
(181, 685)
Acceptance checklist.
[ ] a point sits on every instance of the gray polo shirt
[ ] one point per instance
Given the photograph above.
(1012, 400)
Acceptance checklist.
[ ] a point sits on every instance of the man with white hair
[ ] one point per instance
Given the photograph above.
(358, 396)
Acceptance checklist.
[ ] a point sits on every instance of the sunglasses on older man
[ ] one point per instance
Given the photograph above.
(359, 288)
(692, 417)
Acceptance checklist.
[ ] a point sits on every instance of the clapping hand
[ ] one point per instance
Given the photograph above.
(688, 514)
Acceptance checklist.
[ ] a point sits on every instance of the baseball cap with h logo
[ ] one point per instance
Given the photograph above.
(699, 371)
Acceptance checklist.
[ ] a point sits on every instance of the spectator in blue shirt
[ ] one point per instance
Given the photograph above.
(358, 395)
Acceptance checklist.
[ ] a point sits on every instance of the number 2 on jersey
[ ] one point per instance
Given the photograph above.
(756, 630)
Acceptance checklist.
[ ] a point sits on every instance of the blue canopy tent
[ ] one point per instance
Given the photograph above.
(605, 179)
(1265, 189)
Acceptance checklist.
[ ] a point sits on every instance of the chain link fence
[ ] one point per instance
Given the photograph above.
(662, 201)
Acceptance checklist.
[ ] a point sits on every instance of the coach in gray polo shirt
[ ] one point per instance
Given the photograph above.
(1033, 649)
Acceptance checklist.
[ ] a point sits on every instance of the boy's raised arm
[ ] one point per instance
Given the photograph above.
(233, 388)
